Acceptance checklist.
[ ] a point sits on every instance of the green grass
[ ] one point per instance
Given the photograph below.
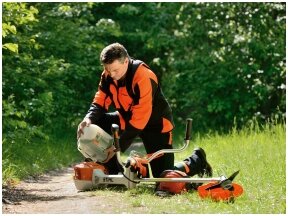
(260, 156)
(27, 158)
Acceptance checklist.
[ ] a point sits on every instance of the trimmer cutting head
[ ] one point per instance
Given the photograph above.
(224, 190)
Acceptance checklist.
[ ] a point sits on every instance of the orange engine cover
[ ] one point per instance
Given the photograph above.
(173, 187)
(84, 170)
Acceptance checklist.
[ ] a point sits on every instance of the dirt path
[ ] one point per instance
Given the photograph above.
(54, 193)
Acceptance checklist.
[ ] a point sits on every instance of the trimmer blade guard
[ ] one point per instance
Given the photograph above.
(218, 194)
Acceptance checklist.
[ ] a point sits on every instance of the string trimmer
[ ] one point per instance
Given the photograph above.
(95, 144)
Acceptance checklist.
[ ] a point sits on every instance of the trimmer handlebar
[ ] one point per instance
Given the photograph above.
(115, 130)
(188, 129)
(187, 139)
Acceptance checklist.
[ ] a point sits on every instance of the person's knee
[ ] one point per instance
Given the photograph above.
(162, 163)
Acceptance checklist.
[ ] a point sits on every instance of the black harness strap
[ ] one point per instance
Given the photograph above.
(133, 66)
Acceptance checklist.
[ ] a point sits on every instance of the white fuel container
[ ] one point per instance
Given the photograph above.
(93, 143)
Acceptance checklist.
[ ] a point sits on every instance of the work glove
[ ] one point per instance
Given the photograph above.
(138, 165)
(85, 123)
(110, 153)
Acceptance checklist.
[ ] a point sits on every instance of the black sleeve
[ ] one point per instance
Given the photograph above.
(95, 112)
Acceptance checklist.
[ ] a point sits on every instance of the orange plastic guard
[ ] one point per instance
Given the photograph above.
(84, 170)
(218, 194)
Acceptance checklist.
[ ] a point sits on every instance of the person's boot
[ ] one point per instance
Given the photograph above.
(196, 164)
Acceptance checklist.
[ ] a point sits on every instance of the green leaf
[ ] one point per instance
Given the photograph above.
(22, 124)
(11, 46)
(6, 28)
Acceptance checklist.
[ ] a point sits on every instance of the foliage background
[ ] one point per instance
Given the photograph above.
(223, 64)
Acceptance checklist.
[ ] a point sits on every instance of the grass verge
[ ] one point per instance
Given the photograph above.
(25, 158)
(258, 153)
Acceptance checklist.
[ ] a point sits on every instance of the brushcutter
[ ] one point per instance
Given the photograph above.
(90, 175)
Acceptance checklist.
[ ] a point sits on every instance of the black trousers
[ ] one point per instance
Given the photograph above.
(153, 141)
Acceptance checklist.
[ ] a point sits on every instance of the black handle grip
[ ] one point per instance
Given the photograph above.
(188, 129)
(128, 163)
(115, 132)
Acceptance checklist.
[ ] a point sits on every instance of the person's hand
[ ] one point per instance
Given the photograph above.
(110, 153)
(85, 123)
(138, 165)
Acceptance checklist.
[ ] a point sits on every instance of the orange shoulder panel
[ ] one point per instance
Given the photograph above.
(101, 99)
(143, 72)
(141, 112)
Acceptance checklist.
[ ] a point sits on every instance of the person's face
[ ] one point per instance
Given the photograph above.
(117, 69)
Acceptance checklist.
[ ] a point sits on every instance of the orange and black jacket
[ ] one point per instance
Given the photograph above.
(139, 100)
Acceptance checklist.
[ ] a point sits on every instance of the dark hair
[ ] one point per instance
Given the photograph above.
(113, 52)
